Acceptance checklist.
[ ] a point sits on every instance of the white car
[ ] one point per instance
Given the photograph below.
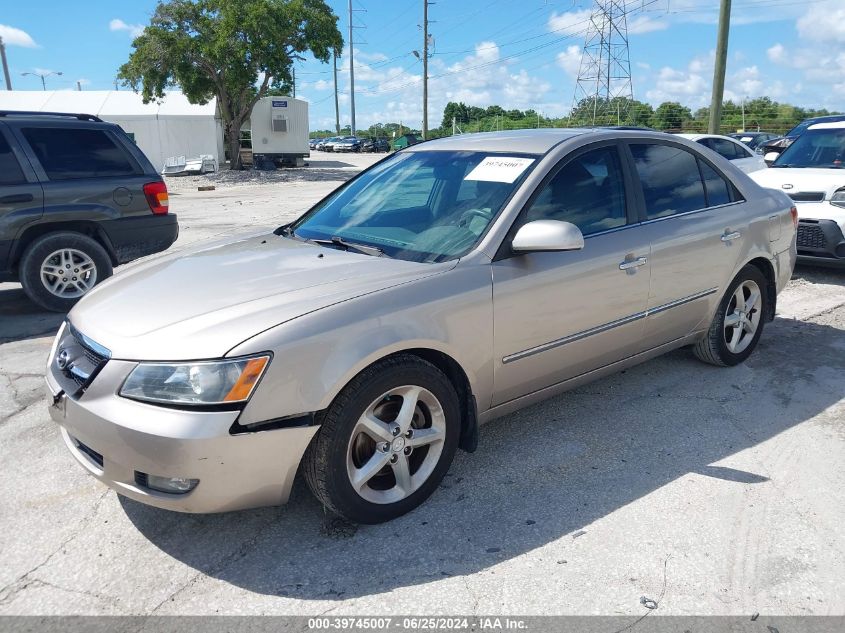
(812, 172)
(738, 153)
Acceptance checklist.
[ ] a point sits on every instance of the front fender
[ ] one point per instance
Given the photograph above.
(317, 354)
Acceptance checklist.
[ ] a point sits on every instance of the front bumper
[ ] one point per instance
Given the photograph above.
(119, 440)
(820, 233)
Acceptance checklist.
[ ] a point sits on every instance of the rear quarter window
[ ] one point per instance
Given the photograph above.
(10, 170)
(75, 153)
(670, 179)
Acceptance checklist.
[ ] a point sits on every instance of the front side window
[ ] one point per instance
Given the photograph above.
(73, 153)
(588, 191)
(420, 206)
(670, 179)
(10, 170)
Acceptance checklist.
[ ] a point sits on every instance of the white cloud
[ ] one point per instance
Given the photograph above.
(119, 25)
(645, 24)
(16, 37)
(570, 60)
(570, 23)
(322, 84)
(823, 22)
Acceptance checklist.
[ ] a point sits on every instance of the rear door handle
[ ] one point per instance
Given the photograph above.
(20, 197)
(727, 237)
(633, 263)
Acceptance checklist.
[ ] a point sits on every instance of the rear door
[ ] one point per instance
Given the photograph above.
(695, 221)
(21, 197)
(86, 171)
(561, 314)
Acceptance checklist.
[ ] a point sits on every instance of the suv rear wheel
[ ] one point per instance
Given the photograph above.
(57, 269)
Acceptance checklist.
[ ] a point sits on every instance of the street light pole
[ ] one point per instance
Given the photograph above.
(44, 76)
(5, 65)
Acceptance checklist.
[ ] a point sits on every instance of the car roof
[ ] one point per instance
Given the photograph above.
(830, 125)
(698, 137)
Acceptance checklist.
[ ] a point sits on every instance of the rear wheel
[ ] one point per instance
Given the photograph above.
(385, 442)
(738, 324)
(58, 269)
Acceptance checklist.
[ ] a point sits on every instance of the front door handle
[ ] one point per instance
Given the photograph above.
(633, 263)
(20, 197)
(727, 237)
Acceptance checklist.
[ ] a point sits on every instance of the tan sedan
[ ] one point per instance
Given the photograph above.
(449, 284)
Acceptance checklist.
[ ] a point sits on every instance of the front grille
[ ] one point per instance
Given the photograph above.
(811, 236)
(90, 452)
(141, 479)
(807, 196)
(77, 361)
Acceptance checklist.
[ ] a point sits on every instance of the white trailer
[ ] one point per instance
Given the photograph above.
(279, 131)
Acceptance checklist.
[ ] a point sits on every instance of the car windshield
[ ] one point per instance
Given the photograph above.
(427, 206)
(824, 147)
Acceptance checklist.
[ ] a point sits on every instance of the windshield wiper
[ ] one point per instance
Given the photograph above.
(349, 246)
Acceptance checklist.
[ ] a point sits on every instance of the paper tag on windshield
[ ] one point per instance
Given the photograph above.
(499, 169)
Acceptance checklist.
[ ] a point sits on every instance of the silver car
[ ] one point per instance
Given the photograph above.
(449, 284)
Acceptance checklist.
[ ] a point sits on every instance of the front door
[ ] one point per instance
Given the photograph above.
(560, 314)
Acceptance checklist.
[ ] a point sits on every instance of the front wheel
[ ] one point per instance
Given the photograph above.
(386, 441)
(738, 324)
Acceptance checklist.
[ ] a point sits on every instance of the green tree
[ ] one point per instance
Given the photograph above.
(235, 51)
(670, 115)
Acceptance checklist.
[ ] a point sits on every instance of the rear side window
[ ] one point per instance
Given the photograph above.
(670, 179)
(10, 170)
(588, 191)
(73, 153)
(718, 191)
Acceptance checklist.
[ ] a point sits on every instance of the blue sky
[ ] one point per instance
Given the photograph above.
(521, 54)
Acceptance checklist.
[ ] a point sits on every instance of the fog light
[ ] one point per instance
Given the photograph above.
(172, 485)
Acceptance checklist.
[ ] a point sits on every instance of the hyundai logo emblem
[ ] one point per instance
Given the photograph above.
(63, 359)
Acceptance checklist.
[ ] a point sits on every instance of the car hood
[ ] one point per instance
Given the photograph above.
(202, 303)
(812, 179)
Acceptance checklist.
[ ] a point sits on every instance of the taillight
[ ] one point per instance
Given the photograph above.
(794, 212)
(156, 193)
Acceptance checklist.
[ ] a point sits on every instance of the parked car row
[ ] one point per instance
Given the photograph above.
(349, 144)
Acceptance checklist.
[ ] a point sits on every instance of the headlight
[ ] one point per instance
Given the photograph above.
(199, 384)
(838, 198)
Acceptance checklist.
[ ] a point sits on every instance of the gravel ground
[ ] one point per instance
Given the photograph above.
(711, 491)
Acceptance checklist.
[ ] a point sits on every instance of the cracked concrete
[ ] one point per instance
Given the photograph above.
(710, 491)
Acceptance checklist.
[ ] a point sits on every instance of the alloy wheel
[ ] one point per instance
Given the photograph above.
(68, 273)
(742, 318)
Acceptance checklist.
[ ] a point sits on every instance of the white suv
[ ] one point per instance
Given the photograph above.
(812, 172)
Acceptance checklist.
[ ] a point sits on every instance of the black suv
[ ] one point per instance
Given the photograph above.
(375, 145)
(77, 197)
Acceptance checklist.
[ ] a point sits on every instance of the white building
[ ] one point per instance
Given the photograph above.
(172, 128)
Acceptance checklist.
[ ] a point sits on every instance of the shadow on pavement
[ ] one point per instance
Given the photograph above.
(539, 475)
(820, 274)
(21, 319)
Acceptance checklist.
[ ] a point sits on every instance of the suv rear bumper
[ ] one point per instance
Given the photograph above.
(137, 236)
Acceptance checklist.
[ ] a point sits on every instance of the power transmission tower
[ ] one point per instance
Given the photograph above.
(604, 77)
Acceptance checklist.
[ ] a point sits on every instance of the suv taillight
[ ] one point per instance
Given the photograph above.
(156, 193)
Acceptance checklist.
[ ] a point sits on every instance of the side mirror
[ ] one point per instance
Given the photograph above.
(547, 235)
(771, 157)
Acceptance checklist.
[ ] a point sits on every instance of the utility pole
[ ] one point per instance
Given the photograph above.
(425, 70)
(5, 65)
(719, 69)
(293, 68)
(336, 105)
(351, 71)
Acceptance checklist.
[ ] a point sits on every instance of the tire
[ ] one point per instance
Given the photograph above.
(344, 450)
(60, 251)
(735, 330)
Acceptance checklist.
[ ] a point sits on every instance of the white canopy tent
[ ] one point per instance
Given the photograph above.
(172, 128)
